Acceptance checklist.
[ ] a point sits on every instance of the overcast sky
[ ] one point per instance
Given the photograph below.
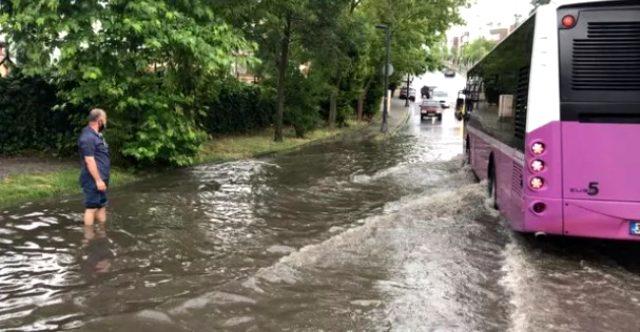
(483, 13)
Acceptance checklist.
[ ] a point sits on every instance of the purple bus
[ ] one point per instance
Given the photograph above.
(553, 121)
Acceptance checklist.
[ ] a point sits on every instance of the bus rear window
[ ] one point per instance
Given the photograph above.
(600, 60)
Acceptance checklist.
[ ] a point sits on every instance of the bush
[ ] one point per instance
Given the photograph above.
(373, 98)
(238, 108)
(30, 120)
(165, 137)
(302, 101)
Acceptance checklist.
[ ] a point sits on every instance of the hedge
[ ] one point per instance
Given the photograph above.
(30, 120)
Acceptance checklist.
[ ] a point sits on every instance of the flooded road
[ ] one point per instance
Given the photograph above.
(359, 233)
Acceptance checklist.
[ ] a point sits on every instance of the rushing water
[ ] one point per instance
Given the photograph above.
(353, 234)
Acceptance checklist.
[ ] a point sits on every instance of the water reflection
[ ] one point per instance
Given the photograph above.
(97, 249)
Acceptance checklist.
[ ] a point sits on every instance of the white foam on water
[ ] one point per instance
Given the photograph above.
(154, 316)
(280, 249)
(365, 179)
(236, 321)
(360, 239)
(515, 279)
(212, 298)
(415, 174)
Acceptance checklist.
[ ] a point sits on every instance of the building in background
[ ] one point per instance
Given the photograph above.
(499, 34)
(491, 20)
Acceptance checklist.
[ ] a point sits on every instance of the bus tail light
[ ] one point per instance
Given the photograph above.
(537, 148)
(536, 183)
(537, 165)
(569, 21)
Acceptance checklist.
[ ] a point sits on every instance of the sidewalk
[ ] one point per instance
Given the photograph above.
(24, 179)
(398, 114)
(29, 165)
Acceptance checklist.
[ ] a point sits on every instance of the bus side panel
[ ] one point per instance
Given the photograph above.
(480, 151)
(508, 170)
(510, 202)
(551, 220)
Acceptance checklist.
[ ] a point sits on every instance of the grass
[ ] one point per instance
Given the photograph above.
(236, 147)
(16, 189)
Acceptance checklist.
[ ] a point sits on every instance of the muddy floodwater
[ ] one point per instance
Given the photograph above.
(352, 234)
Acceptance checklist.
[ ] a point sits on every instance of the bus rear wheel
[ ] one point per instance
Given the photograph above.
(467, 150)
(492, 186)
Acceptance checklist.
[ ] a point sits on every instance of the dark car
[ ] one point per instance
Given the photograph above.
(430, 108)
(449, 73)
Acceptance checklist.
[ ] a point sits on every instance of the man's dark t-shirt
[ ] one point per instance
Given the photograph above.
(92, 144)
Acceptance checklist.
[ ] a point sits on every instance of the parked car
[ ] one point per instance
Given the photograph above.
(430, 108)
(449, 73)
(442, 97)
(412, 93)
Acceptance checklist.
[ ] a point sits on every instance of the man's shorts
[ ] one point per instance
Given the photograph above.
(93, 198)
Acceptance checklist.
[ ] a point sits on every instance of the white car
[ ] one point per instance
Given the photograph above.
(442, 97)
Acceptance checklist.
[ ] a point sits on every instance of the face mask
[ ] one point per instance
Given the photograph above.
(102, 126)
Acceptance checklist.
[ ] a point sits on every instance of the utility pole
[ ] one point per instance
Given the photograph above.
(385, 107)
(406, 103)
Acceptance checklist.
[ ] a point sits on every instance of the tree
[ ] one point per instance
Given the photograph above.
(272, 24)
(145, 61)
(332, 41)
(438, 55)
(473, 52)
(416, 26)
(538, 3)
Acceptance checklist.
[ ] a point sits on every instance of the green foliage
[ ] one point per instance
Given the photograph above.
(416, 25)
(438, 54)
(374, 97)
(238, 108)
(473, 52)
(166, 137)
(303, 101)
(161, 68)
(143, 61)
(29, 119)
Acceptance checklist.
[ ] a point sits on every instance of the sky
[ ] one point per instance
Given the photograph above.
(484, 15)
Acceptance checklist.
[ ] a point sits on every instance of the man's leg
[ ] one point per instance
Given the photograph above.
(89, 216)
(101, 212)
(101, 215)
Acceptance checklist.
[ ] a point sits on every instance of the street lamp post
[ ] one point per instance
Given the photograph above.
(406, 103)
(385, 107)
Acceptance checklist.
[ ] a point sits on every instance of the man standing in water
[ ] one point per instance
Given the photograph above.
(94, 173)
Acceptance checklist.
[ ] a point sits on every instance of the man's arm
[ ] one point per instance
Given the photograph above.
(92, 167)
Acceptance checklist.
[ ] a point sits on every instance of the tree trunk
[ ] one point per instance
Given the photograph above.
(361, 105)
(361, 99)
(333, 103)
(282, 72)
(333, 108)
